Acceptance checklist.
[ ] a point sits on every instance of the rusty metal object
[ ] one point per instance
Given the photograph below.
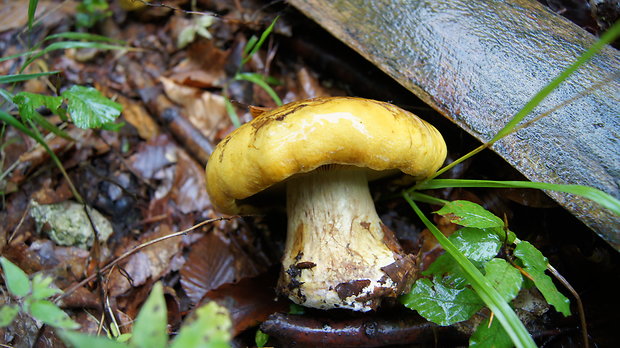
(479, 62)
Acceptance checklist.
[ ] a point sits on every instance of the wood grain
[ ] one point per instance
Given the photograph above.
(479, 62)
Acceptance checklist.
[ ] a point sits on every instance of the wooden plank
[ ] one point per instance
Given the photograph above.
(478, 62)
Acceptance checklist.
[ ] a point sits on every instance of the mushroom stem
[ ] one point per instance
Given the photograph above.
(338, 252)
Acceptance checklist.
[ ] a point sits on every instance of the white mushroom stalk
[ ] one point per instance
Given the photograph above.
(338, 252)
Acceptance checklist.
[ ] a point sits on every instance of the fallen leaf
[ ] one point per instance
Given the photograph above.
(215, 260)
(151, 262)
(205, 110)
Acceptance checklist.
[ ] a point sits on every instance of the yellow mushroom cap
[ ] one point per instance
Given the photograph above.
(302, 136)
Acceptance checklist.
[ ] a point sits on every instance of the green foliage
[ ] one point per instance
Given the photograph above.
(89, 109)
(250, 49)
(440, 303)
(16, 280)
(535, 264)
(89, 12)
(200, 26)
(31, 298)
(210, 327)
(261, 338)
(469, 214)
(502, 282)
(150, 327)
(490, 336)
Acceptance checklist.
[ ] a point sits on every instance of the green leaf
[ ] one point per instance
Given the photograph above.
(24, 77)
(469, 214)
(50, 314)
(80, 340)
(506, 279)
(150, 327)
(506, 315)
(448, 270)
(210, 328)
(7, 314)
(89, 108)
(16, 280)
(476, 244)
(493, 336)
(261, 338)
(591, 193)
(441, 304)
(41, 289)
(535, 265)
(28, 103)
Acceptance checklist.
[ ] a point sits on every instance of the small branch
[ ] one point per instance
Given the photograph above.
(582, 313)
(72, 288)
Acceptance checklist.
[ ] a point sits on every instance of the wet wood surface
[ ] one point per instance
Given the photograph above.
(479, 62)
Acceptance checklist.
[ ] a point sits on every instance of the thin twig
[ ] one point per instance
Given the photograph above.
(72, 288)
(582, 313)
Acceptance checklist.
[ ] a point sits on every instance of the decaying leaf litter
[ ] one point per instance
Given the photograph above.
(148, 181)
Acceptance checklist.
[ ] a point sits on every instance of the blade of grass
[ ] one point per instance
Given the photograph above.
(72, 44)
(32, 8)
(591, 193)
(605, 39)
(15, 123)
(502, 311)
(609, 36)
(84, 36)
(259, 80)
(24, 77)
(421, 197)
(232, 114)
(260, 42)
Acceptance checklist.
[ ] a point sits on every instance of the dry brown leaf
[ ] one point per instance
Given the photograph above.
(189, 189)
(151, 262)
(215, 260)
(204, 66)
(137, 116)
(205, 110)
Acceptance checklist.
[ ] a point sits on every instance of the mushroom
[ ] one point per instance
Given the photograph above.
(323, 152)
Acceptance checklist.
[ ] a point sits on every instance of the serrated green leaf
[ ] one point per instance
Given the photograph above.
(469, 214)
(210, 328)
(535, 265)
(52, 315)
(149, 330)
(506, 279)
(89, 108)
(493, 336)
(441, 304)
(7, 314)
(41, 289)
(80, 340)
(28, 103)
(16, 280)
(476, 244)
(261, 338)
(503, 312)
